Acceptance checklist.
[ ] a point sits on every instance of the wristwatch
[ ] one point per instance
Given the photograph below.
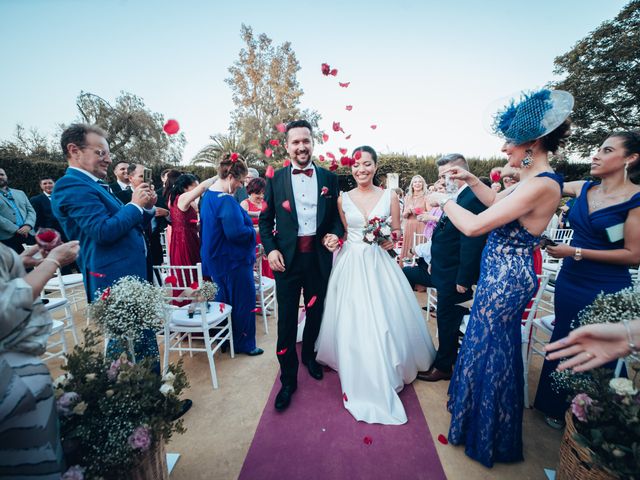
(577, 256)
(443, 201)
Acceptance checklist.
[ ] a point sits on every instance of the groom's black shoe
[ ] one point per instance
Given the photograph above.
(315, 369)
(283, 399)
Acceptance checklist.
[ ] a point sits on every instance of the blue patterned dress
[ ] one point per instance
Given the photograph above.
(486, 394)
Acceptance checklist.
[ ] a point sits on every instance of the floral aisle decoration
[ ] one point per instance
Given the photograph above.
(378, 230)
(128, 307)
(606, 410)
(112, 414)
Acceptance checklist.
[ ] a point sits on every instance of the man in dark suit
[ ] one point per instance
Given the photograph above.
(120, 170)
(454, 268)
(301, 202)
(42, 205)
(17, 216)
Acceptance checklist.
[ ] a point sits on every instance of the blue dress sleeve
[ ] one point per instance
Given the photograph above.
(236, 224)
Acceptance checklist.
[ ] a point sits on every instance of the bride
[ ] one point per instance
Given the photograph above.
(372, 331)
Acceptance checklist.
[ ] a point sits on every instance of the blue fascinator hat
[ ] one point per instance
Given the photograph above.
(533, 115)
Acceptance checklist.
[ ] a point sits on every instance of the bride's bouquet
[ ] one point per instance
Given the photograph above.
(378, 230)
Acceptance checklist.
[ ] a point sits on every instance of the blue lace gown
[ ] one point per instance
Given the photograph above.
(486, 395)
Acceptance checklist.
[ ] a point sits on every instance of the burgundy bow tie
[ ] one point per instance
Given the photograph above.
(308, 172)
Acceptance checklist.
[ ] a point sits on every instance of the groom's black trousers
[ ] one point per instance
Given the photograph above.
(449, 315)
(305, 274)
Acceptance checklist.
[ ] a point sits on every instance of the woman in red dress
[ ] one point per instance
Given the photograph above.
(253, 206)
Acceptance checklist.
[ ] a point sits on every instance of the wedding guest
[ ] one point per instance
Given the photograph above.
(42, 205)
(241, 193)
(167, 184)
(432, 217)
(17, 216)
(400, 195)
(121, 171)
(253, 206)
(508, 181)
(606, 242)
(29, 437)
(414, 205)
(229, 251)
(486, 393)
(592, 346)
(454, 269)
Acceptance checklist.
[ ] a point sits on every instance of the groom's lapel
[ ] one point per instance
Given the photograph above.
(322, 202)
(288, 193)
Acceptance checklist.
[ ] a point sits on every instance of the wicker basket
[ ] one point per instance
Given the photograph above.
(153, 466)
(575, 460)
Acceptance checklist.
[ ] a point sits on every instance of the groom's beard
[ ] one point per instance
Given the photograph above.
(302, 162)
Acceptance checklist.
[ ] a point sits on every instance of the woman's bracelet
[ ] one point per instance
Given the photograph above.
(53, 260)
(632, 346)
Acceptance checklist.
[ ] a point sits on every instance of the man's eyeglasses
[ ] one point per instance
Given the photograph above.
(102, 154)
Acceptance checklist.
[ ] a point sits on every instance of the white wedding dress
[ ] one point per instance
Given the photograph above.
(372, 333)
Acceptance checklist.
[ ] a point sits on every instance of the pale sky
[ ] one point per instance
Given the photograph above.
(425, 72)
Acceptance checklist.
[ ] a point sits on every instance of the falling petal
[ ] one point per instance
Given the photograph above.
(98, 275)
(274, 143)
(172, 280)
(325, 68)
(281, 127)
(286, 205)
(105, 294)
(255, 310)
(268, 152)
(321, 158)
(357, 155)
(344, 85)
(325, 137)
(171, 127)
(347, 137)
(334, 72)
(333, 166)
(312, 301)
(368, 440)
(331, 156)
(348, 108)
(222, 305)
(274, 232)
(286, 163)
(442, 439)
(344, 397)
(373, 127)
(343, 151)
(346, 161)
(270, 172)
(281, 352)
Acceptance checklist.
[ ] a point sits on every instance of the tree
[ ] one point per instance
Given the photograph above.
(213, 153)
(30, 145)
(266, 92)
(135, 132)
(603, 74)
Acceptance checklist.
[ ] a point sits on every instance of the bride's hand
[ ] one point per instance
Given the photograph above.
(331, 242)
(387, 245)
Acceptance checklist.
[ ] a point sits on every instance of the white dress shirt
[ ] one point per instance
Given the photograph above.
(305, 194)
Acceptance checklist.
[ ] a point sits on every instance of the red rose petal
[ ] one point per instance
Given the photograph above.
(344, 85)
(321, 158)
(105, 294)
(346, 161)
(98, 275)
(348, 108)
(333, 166)
(222, 305)
(357, 155)
(281, 352)
(368, 440)
(234, 157)
(331, 156)
(194, 220)
(343, 151)
(347, 137)
(193, 286)
(325, 137)
(443, 440)
(281, 127)
(268, 152)
(171, 127)
(336, 127)
(334, 72)
(274, 143)
(325, 69)
(373, 127)
(255, 310)
(312, 301)
(286, 205)
(286, 163)
(344, 397)
(269, 172)
(274, 232)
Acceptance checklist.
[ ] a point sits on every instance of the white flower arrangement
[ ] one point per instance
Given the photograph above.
(128, 307)
(622, 386)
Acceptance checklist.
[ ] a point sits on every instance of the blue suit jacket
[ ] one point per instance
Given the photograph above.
(110, 233)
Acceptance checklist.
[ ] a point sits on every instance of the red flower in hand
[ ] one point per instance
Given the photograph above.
(495, 176)
(46, 235)
(270, 172)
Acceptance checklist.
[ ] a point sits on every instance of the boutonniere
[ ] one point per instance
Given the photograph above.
(324, 192)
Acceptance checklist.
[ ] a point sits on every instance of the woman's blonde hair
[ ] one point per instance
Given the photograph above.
(424, 185)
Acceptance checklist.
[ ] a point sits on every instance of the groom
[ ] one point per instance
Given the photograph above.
(299, 228)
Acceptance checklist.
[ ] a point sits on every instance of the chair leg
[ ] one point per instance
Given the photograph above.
(212, 365)
(69, 324)
(167, 346)
(230, 336)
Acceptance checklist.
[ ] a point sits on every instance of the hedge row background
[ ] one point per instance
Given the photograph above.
(24, 174)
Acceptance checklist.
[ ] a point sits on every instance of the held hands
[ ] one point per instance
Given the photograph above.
(331, 242)
(276, 261)
(561, 250)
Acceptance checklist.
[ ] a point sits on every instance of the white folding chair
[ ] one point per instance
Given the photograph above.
(165, 252)
(56, 348)
(528, 339)
(61, 306)
(265, 290)
(558, 235)
(210, 319)
(70, 286)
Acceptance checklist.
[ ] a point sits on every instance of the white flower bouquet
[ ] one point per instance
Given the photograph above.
(378, 230)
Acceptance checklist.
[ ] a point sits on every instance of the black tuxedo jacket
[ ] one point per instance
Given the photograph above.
(455, 258)
(123, 195)
(115, 187)
(279, 227)
(44, 215)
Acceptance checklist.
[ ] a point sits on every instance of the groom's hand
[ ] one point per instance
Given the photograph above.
(331, 242)
(276, 261)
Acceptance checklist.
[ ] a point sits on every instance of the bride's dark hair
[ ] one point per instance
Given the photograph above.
(369, 150)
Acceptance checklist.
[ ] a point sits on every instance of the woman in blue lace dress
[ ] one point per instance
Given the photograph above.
(486, 394)
(606, 242)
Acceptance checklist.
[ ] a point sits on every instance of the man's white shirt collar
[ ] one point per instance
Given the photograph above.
(88, 174)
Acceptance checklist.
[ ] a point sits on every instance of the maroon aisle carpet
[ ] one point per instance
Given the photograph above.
(317, 439)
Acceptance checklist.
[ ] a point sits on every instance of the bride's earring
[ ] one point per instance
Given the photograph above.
(528, 160)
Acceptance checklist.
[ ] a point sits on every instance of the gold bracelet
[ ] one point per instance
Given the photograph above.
(53, 260)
